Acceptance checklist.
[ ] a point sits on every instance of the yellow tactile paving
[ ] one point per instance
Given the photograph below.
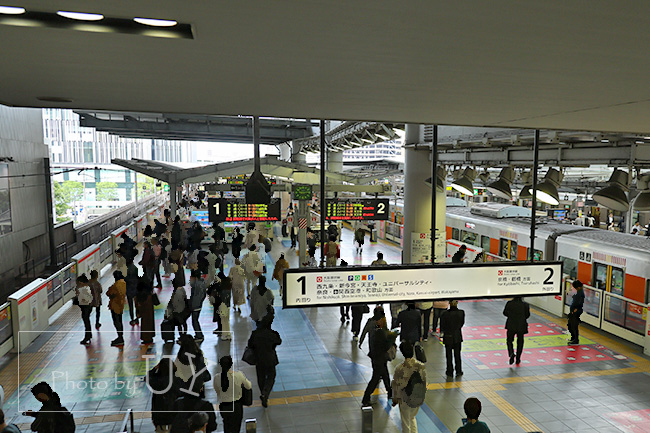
(510, 411)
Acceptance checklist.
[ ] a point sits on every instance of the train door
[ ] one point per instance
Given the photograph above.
(508, 249)
(609, 278)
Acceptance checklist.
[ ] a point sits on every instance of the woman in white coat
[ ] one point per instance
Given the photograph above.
(238, 277)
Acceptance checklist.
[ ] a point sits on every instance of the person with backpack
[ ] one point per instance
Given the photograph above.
(84, 298)
(380, 342)
(7, 428)
(332, 252)
(177, 310)
(229, 385)
(190, 366)
(517, 311)
(96, 289)
(409, 387)
(197, 297)
(472, 409)
(52, 417)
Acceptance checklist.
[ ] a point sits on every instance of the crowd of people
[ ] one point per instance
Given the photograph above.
(178, 383)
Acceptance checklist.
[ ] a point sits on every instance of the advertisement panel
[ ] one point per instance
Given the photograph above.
(336, 286)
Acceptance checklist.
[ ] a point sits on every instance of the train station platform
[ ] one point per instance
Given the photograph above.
(599, 386)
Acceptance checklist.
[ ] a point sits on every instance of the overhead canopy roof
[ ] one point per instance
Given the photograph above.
(270, 166)
(550, 65)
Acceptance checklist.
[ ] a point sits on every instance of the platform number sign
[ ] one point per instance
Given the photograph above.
(548, 280)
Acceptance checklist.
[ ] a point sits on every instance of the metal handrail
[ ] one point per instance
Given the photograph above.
(127, 422)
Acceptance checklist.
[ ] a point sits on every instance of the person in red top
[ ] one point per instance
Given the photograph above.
(332, 251)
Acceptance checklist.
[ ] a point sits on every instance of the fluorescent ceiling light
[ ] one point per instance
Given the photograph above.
(383, 137)
(81, 16)
(367, 140)
(155, 23)
(10, 10)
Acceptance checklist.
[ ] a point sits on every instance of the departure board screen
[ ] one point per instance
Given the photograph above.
(232, 209)
(357, 209)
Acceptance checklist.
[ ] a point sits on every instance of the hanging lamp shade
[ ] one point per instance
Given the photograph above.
(613, 196)
(463, 183)
(547, 190)
(525, 191)
(440, 181)
(642, 201)
(501, 188)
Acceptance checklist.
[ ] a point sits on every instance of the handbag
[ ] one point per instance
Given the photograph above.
(419, 353)
(249, 356)
(75, 301)
(154, 299)
(246, 396)
(392, 352)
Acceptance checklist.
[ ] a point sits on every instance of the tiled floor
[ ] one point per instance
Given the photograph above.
(601, 386)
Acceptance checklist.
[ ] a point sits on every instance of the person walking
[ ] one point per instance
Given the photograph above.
(395, 309)
(332, 252)
(7, 428)
(410, 321)
(380, 342)
(144, 307)
(177, 267)
(358, 310)
(253, 268)
(117, 298)
(187, 405)
(439, 307)
(238, 277)
(371, 325)
(237, 240)
(425, 314)
(293, 231)
(359, 239)
(190, 365)
(157, 254)
(278, 271)
(225, 288)
(451, 323)
(380, 260)
(52, 417)
(517, 312)
(228, 385)
(85, 298)
(575, 310)
(263, 342)
(166, 249)
(177, 308)
(160, 381)
(472, 409)
(223, 311)
(409, 387)
(131, 289)
(252, 236)
(459, 255)
(96, 289)
(176, 231)
(261, 301)
(211, 257)
(197, 297)
(148, 262)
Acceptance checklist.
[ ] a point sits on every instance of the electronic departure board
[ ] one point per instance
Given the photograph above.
(233, 209)
(357, 209)
(302, 192)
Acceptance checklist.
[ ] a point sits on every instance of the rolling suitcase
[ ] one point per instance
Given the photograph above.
(167, 330)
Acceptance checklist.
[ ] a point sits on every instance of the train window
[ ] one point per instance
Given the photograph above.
(455, 234)
(570, 267)
(539, 255)
(508, 249)
(513, 250)
(485, 243)
(469, 237)
(600, 276)
(503, 248)
(617, 281)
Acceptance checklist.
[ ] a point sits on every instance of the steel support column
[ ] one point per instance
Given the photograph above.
(434, 188)
(323, 168)
(533, 213)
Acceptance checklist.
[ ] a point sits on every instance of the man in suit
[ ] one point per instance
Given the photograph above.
(451, 323)
(517, 311)
(410, 322)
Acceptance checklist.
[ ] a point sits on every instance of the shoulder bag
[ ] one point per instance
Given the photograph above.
(249, 356)
(246, 396)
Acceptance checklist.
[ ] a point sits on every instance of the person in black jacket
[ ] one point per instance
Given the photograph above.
(451, 323)
(380, 342)
(459, 255)
(263, 342)
(160, 380)
(575, 310)
(188, 404)
(237, 240)
(52, 417)
(410, 320)
(517, 311)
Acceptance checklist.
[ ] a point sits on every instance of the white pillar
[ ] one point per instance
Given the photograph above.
(417, 195)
